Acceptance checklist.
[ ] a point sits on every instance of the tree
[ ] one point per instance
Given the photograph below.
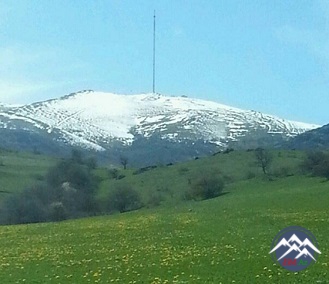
(264, 159)
(205, 187)
(124, 161)
(124, 198)
(317, 164)
(67, 192)
(25, 207)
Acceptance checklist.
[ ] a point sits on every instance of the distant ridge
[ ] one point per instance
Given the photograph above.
(312, 139)
(144, 123)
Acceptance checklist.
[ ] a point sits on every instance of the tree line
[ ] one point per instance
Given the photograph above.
(69, 189)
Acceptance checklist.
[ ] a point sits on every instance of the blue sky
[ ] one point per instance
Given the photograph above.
(270, 56)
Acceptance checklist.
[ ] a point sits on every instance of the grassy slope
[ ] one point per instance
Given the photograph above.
(172, 181)
(21, 169)
(226, 239)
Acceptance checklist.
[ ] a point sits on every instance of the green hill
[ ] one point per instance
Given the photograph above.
(172, 181)
(222, 240)
(19, 170)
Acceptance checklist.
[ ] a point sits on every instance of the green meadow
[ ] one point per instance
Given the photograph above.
(222, 240)
(18, 170)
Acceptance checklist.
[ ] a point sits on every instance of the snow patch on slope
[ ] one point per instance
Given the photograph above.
(94, 119)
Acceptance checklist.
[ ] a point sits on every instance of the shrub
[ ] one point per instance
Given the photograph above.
(283, 171)
(57, 211)
(124, 198)
(121, 176)
(250, 175)
(317, 164)
(228, 150)
(113, 173)
(155, 199)
(25, 207)
(205, 187)
(142, 170)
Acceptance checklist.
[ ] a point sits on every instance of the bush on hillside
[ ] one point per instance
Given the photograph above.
(155, 199)
(57, 211)
(124, 198)
(113, 173)
(250, 174)
(283, 171)
(205, 187)
(26, 207)
(316, 163)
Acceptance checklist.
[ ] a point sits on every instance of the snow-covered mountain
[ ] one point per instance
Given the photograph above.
(102, 121)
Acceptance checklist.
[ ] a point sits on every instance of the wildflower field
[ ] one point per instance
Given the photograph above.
(223, 240)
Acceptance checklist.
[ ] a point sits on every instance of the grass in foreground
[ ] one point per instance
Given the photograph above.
(224, 240)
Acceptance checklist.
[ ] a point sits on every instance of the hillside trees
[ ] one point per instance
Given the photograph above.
(317, 164)
(26, 207)
(72, 183)
(68, 192)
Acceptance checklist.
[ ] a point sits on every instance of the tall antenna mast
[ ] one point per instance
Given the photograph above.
(154, 53)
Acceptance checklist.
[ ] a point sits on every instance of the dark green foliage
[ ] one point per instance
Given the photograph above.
(57, 211)
(91, 163)
(317, 164)
(155, 199)
(206, 186)
(124, 198)
(113, 173)
(27, 207)
(121, 176)
(76, 156)
(143, 170)
(124, 161)
(250, 175)
(263, 159)
(228, 150)
(282, 171)
(74, 184)
(68, 192)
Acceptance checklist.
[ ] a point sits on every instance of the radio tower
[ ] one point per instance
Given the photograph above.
(154, 53)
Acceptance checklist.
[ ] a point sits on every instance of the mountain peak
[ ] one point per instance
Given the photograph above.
(75, 94)
(100, 121)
